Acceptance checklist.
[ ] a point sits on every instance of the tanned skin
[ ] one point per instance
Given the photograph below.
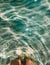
(29, 62)
(18, 62)
(15, 62)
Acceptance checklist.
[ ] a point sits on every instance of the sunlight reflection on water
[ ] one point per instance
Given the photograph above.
(25, 28)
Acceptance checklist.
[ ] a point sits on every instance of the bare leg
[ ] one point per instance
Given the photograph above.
(15, 62)
(29, 62)
(8, 64)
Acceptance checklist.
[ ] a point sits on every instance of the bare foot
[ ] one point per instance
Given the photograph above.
(15, 62)
(8, 64)
(18, 62)
(29, 62)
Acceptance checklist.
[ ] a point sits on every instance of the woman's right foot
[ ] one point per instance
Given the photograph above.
(15, 62)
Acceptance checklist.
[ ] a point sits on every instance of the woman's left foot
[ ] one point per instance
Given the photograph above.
(29, 62)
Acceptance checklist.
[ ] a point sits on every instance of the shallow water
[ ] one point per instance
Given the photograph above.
(25, 29)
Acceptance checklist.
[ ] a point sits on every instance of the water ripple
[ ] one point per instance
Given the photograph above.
(25, 30)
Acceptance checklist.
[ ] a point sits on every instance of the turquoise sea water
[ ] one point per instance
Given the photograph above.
(25, 29)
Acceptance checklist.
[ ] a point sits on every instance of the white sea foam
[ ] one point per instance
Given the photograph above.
(30, 38)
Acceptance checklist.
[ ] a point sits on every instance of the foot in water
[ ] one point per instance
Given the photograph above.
(15, 62)
(29, 62)
(18, 62)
